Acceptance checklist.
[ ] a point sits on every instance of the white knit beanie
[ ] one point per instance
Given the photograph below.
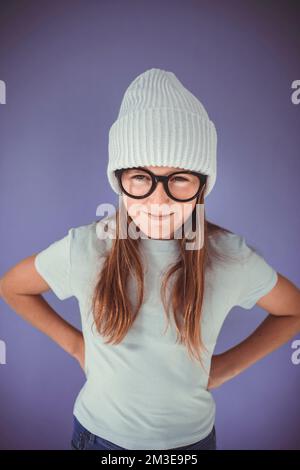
(161, 123)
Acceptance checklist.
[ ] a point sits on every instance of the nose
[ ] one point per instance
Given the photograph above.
(159, 195)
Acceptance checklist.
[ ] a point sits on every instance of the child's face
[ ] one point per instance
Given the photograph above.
(142, 211)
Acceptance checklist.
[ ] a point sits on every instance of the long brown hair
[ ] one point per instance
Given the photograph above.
(111, 306)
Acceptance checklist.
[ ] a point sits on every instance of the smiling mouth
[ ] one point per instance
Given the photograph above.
(159, 217)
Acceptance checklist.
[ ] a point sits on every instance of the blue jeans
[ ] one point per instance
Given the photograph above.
(82, 439)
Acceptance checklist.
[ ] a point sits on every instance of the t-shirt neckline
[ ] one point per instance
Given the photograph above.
(159, 245)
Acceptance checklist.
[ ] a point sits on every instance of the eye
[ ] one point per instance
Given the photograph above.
(139, 177)
(179, 178)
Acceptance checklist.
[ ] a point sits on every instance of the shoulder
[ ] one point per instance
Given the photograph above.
(246, 273)
(231, 255)
(88, 250)
(230, 246)
(89, 240)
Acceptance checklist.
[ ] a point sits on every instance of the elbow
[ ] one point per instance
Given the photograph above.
(1, 288)
(5, 291)
(1, 294)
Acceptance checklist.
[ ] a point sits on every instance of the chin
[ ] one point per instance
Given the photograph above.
(153, 230)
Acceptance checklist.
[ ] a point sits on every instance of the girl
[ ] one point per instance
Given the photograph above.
(154, 283)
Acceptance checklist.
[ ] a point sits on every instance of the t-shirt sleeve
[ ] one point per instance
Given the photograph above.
(256, 277)
(54, 264)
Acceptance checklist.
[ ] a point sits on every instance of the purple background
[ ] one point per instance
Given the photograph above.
(66, 65)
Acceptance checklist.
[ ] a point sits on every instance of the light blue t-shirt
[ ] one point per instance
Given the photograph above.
(146, 392)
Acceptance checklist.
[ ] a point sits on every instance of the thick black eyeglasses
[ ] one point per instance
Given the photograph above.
(144, 187)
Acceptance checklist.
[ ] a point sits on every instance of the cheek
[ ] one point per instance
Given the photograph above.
(183, 211)
(133, 207)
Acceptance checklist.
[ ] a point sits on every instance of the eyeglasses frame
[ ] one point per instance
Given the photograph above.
(164, 179)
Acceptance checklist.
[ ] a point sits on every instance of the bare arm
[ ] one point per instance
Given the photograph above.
(283, 323)
(21, 288)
